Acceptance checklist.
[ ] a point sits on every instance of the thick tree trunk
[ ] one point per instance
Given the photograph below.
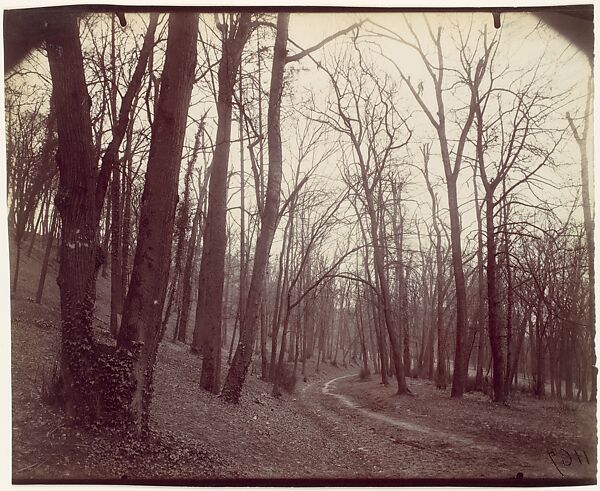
(140, 327)
(480, 289)
(395, 344)
(110, 164)
(75, 201)
(381, 338)
(281, 359)
(361, 332)
(106, 237)
(126, 227)
(401, 278)
(508, 330)
(264, 365)
(279, 296)
(440, 373)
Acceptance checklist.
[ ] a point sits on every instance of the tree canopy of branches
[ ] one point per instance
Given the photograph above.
(404, 197)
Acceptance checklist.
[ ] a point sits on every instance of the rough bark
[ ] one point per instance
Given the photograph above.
(461, 352)
(398, 230)
(480, 288)
(496, 329)
(75, 201)
(395, 343)
(126, 225)
(140, 327)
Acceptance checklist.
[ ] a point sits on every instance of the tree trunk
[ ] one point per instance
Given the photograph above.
(34, 232)
(106, 238)
(264, 365)
(75, 201)
(186, 295)
(279, 370)
(461, 353)
(116, 296)
(279, 295)
(243, 354)
(398, 230)
(29, 196)
(496, 329)
(182, 224)
(212, 265)
(540, 379)
(140, 327)
(588, 220)
(126, 228)
(381, 340)
(361, 331)
(49, 242)
(480, 289)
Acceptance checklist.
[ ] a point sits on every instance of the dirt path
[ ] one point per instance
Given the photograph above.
(389, 447)
(449, 438)
(402, 442)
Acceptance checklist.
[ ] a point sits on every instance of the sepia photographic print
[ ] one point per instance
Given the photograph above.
(283, 246)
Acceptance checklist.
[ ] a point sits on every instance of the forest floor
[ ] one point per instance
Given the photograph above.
(334, 427)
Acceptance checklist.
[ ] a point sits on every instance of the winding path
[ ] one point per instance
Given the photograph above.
(392, 446)
(405, 425)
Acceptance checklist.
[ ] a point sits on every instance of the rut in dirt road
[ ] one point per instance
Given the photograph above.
(449, 437)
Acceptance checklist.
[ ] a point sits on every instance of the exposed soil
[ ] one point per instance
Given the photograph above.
(473, 437)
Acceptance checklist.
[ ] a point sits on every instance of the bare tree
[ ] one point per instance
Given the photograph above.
(516, 119)
(270, 213)
(588, 217)
(235, 31)
(80, 255)
(140, 327)
(365, 113)
(452, 166)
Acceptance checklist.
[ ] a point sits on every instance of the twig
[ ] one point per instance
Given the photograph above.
(54, 429)
(31, 466)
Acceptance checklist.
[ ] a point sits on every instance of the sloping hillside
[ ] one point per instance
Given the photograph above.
(333, 427)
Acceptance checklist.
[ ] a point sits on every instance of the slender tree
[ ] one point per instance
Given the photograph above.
(209, 310)
(243, 354)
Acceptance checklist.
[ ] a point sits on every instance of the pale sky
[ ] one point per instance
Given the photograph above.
(521, 47)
